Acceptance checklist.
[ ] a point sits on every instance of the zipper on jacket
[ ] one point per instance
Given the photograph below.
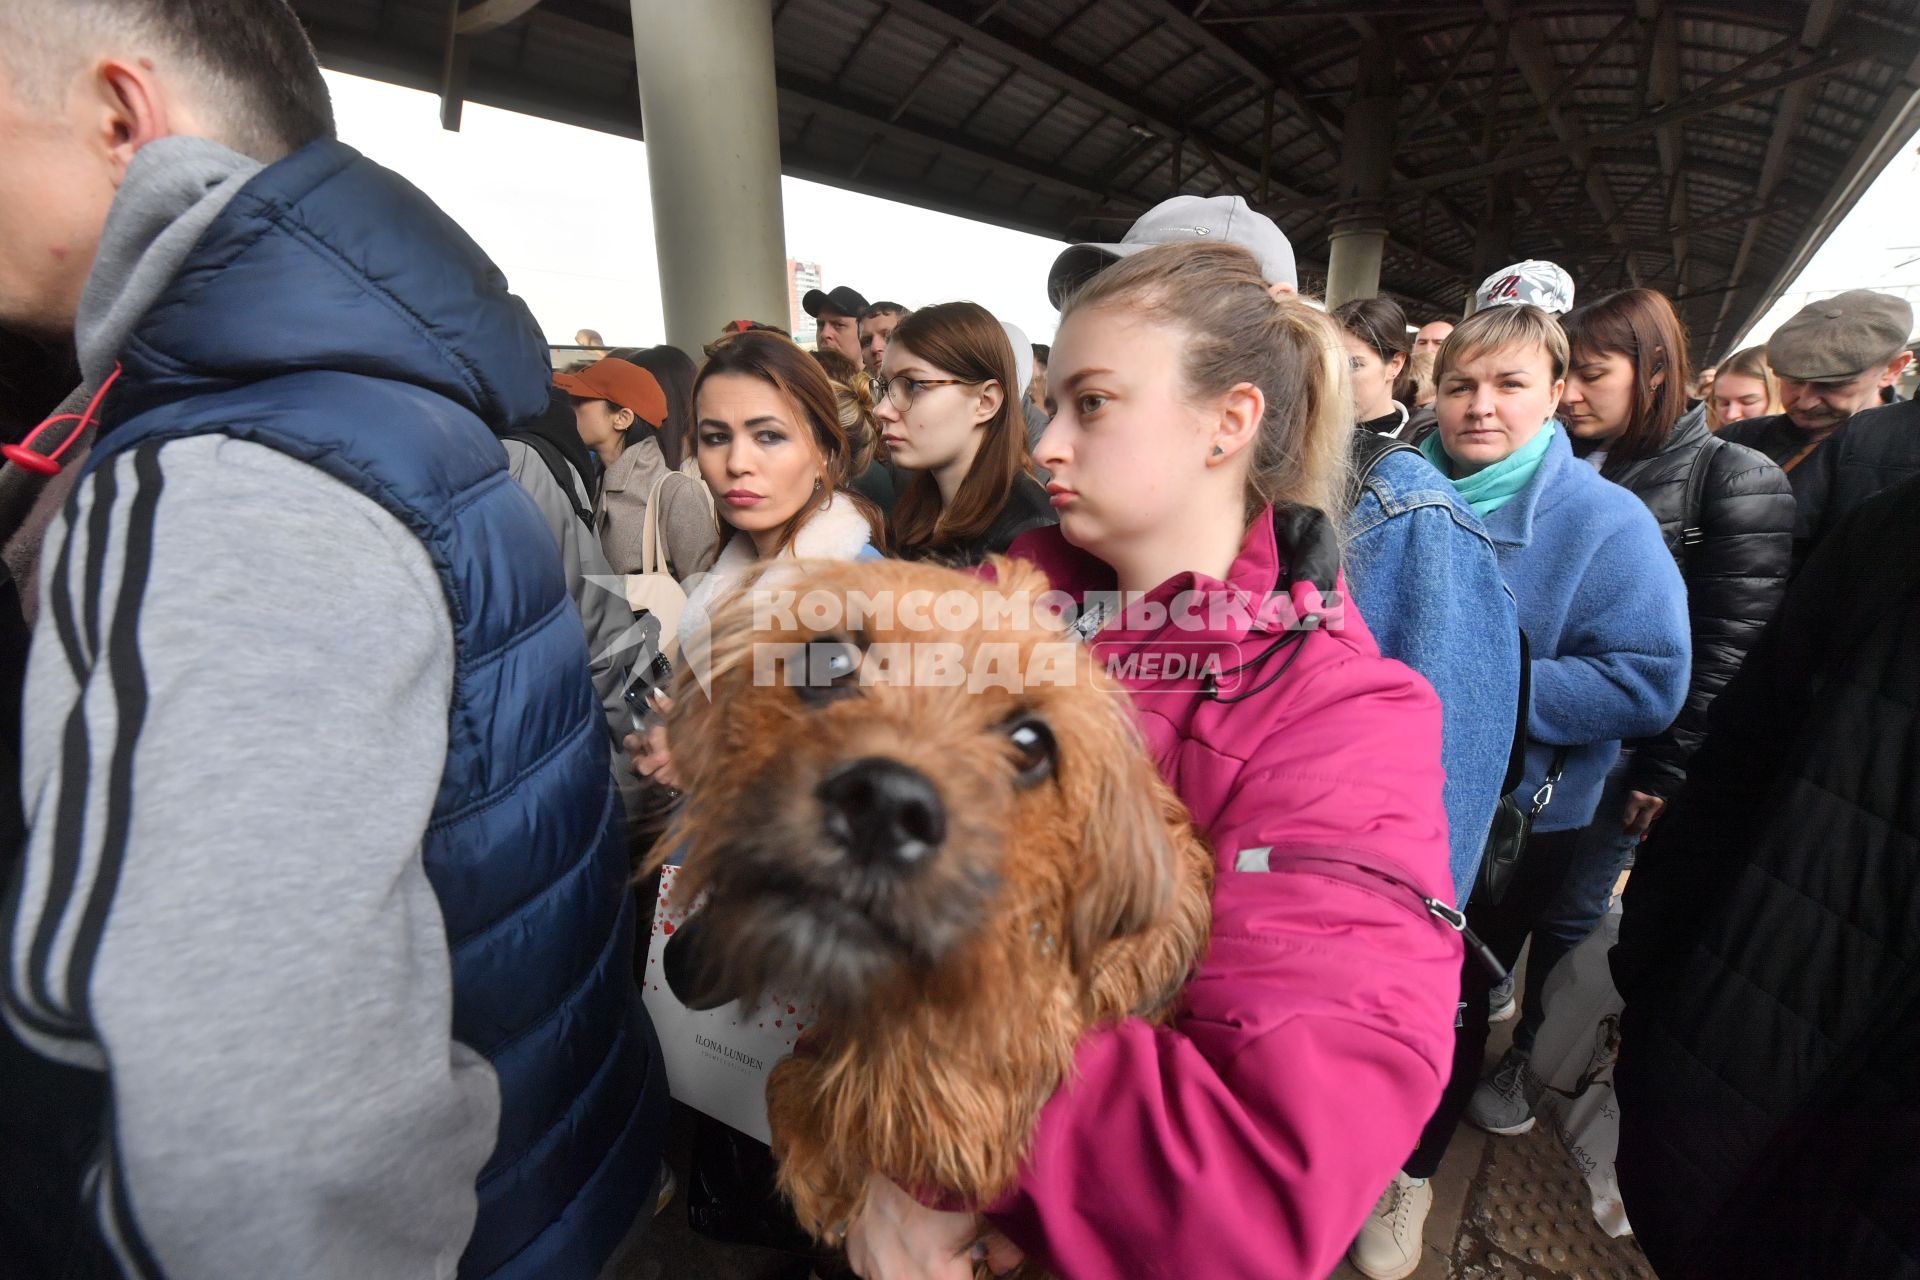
(1372, 878)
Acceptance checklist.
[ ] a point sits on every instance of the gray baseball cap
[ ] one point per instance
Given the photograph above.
(1182, 220)
(1840, 337)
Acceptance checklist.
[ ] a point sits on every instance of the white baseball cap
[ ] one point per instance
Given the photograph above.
(1182, 220)
(1535, 283)
(1022, 359)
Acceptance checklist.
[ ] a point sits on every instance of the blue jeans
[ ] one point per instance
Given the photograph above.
(1576, 906)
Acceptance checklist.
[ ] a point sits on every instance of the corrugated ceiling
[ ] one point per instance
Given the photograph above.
(1702, 149)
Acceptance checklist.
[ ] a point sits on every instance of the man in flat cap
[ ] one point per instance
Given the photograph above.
(1832, 359)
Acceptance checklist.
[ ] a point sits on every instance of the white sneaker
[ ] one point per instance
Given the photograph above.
(1390, 1242)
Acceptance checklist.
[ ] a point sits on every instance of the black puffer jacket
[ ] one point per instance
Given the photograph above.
(1735, 573)
(1028, 507)
(1770, 949)
(1877, 449)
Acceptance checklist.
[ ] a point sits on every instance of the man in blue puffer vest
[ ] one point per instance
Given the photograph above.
(324, 871)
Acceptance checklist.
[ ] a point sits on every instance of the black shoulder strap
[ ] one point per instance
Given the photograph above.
(1368, 449)
(556, 463)
(1517, 753)
(1692, 531)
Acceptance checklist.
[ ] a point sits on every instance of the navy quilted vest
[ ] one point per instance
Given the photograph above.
(333, 313)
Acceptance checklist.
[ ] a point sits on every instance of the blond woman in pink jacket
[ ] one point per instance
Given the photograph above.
(1197, 454)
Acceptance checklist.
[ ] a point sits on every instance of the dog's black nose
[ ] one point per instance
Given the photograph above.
(884, 812)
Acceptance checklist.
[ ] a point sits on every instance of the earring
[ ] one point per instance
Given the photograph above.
(1218, 451)
(816, 484)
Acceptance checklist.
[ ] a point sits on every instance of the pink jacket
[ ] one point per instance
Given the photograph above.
(1250, 1138)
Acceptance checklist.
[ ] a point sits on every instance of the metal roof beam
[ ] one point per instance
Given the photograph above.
(490, 14)
(1889, 133)
(1663, 78)
(1537, 68)
(1457, 131)
(1284, 90)
(1200, 29)
(1694, 106)
(1454, 64)
(1264, 78)
(1787, 118)
(1317, 10)
(1009, 44)
(1776, 15)
(1569, 81)
(837, 105)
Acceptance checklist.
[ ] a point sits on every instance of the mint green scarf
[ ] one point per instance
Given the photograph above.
(1492, 488)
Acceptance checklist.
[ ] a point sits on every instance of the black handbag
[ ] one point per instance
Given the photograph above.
(1512, 825)
(1507, 839)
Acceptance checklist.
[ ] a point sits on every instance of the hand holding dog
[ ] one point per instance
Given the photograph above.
(895, 1237)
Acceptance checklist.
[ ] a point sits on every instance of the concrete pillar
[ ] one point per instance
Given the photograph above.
(709, 110)
(1493, 239)
(1353, 261)
(1358, 238)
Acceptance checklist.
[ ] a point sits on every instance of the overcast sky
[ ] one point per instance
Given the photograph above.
(565, 213)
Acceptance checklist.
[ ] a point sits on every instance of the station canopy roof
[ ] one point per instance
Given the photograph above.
(1704, 149)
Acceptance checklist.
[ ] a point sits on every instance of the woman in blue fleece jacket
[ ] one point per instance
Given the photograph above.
(1603, 606)
(1605, 613)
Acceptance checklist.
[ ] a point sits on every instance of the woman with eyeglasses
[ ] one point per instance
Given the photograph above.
(949, 411)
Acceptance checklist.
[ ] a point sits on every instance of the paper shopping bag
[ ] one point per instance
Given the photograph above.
(717, 1060)
(1573, 1059)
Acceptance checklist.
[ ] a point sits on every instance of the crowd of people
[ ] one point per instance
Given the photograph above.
(327, 779)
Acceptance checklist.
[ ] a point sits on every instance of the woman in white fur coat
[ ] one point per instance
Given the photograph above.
(769, 444)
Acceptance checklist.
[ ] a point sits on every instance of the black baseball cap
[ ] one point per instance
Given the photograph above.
(842, 299)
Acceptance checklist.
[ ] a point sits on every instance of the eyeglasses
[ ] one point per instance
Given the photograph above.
(902, 391)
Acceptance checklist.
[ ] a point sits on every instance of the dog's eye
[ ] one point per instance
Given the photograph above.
(833, 672)
(1034, 751)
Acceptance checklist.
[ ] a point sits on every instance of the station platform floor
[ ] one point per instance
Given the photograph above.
(1503, 1209)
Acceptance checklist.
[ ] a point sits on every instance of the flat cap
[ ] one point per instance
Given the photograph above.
(1840, 337)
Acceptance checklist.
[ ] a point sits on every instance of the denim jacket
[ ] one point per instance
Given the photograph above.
(1423, 571)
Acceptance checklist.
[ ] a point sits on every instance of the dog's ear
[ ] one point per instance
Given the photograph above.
(1127, 871)
(1011, 578)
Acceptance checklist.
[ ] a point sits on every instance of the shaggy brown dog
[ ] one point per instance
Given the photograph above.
(963, 879)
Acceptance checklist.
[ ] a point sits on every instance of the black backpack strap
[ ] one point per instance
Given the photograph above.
(563, 474)
(1692, 527)
(1368, 449)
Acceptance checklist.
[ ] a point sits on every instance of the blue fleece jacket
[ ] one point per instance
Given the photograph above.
(1426, 577)
(1605, 613)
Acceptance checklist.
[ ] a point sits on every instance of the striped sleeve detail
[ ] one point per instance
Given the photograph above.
(106, 1189)
(53, 930)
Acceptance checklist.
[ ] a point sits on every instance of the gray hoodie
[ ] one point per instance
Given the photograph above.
(258, 962)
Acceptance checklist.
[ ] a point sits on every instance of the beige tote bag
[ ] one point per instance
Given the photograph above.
(654, 588)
